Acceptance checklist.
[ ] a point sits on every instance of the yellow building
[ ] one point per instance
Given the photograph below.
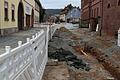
(17, 15)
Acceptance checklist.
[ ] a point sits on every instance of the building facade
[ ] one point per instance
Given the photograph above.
(73, 15)
(111, 17)
(106, 13)
(91, 12)
(64, 12)
(85, 11)
(62, 17)
(38, 11)
(16, 15)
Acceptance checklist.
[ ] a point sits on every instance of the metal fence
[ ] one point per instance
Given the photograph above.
(27, 61)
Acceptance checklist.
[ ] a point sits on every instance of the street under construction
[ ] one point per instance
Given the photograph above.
(77, 54)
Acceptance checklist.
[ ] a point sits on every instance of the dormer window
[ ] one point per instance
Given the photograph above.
(108, 5)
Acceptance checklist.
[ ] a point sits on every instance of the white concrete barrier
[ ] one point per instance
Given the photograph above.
(27, 61)
(97, 28)
(119, 37)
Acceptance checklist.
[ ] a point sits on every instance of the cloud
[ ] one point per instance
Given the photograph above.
(53, 4)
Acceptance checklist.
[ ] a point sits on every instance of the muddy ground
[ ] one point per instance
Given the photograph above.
(68, 59)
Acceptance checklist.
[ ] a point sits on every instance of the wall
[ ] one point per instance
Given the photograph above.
(10, 23)
(37, 9)
(0, 14)
(85, 13)
(85, 9)
(91, 9)
(28, 4)
(74, 13)
(10, 26)
(62, 17)
(111, 17)
(96, 8)
(36, 17)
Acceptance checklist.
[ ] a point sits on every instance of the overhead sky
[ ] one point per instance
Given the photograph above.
(58, 4)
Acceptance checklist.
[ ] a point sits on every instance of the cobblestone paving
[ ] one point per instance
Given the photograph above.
(12, 39)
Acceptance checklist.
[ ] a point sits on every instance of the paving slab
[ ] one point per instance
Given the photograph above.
(12, 39)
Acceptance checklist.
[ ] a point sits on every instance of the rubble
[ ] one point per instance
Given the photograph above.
(64, 48)
(70, 58)
(104, 50)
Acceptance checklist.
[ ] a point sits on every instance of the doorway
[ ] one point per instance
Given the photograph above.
(32, 19)
(20, 16)
(27, 21)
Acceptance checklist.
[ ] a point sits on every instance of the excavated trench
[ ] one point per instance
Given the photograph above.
(105, 60)
(61, 55)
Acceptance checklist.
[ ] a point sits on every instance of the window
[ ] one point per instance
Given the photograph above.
(92, 13)
(13, 12)
(97, 11)
(6, 11)
(118, 2)
(108, 5)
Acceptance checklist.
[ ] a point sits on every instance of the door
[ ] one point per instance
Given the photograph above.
(20, 16)
(27, 21)
(32, 19)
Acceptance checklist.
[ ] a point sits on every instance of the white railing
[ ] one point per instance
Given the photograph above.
(53, 28)
(119, 37)
(27, 61)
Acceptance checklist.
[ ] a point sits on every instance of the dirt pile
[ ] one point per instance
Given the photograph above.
(63, 29)
(63, 33)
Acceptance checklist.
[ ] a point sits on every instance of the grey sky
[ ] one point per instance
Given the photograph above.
(54, 4)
